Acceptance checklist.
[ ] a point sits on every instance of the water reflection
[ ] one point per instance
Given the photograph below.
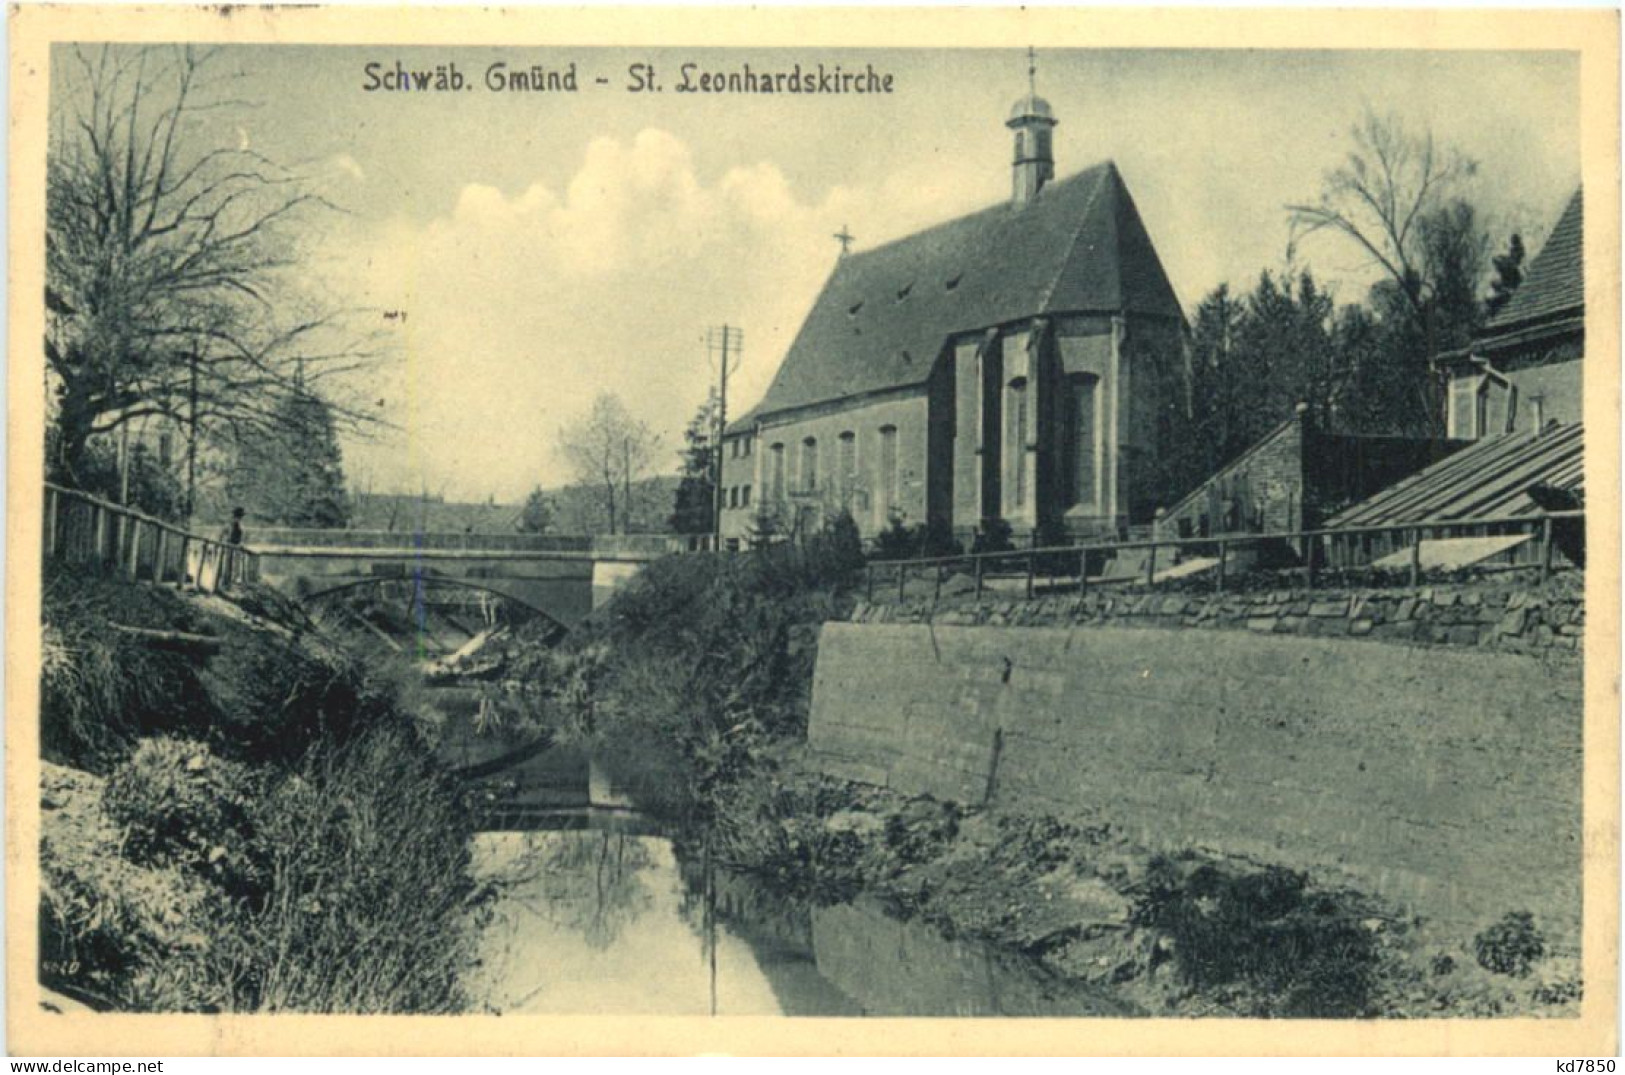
(606, 917)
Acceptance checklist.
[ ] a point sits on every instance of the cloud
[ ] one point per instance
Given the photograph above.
(349, 166)
(520, 308)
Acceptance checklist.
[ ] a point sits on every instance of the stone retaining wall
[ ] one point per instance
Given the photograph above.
(1519, 616)
(1446, 778)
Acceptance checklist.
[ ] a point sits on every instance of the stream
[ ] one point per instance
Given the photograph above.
(605, 911)
(598, 912)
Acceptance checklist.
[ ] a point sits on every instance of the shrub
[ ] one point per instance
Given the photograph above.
(107, 925)
(898, 541)
(1511, 946)
(365, 852)
(177, 804)
(99, 687)
(1304, 954)
(994, 535)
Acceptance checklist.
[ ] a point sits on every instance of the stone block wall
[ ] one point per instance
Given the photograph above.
(1445, 779)
(1520, 616)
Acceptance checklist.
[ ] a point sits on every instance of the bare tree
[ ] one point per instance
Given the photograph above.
(169, 258)
(609, 451)
(1383, 196)
(1398, 198)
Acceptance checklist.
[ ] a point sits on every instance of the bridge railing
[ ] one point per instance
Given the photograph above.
(84, 529)
(303, 537)
(639, 546)
(1343, 549)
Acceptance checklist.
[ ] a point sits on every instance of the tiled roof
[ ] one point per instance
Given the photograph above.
(1487, 479)
(743, 422)
(884, 313)
(1555, 282)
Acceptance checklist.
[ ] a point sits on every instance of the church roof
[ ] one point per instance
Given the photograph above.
(1555, 282)
(885, 313)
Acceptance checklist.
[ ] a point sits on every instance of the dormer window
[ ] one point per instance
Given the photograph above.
(852, 311)
(954, 283)
(903, 293)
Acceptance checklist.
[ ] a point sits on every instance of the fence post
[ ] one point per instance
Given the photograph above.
(133, 528)
(936, 594)
(1416, 557)
(158, 562)
(1151, 567)
(1545, 549)
(902, 577)
(868, 582)
(977, 560)
(186, 550)
(1223, 550)
(1030, 567)
(98, 527)
(1083, 573)
(1310, 546)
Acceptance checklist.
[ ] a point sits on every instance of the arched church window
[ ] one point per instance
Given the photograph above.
(1082, 425)
(776, 472)
(1019, 427)
(886, 478)
(847, 466)
(809, 465)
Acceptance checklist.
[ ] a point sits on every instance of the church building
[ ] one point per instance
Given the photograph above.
(1025, 363)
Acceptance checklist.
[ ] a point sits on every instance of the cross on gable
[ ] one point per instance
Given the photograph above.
(844, 238)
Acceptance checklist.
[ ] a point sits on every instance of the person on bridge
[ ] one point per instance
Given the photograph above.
(232, 533)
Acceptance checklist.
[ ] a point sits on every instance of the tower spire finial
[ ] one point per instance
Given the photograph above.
(1033, 121)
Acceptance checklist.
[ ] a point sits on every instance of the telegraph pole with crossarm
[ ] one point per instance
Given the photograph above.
(725, 344)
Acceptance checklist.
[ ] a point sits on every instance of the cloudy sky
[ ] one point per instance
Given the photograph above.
(546, 247)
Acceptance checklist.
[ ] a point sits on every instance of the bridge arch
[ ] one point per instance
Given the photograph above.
(422, 583)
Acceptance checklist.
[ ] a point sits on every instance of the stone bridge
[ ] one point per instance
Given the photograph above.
(563, 577)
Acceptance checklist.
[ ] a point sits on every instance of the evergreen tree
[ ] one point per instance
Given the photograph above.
(1508, 275)
(293, 474)
(537, 516)
(694, 507)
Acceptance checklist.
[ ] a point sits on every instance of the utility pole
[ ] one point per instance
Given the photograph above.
(726, 344)
(191, 440)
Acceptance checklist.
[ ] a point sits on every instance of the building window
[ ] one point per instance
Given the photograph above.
(886, 479)
(1082, 424)
(776, 473)
(1018, 439)
(847, 467)
(1480, 405)
(809, 465)
(744, 496)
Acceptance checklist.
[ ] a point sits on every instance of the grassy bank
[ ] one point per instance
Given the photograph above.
(1188, 934)
(249, 822)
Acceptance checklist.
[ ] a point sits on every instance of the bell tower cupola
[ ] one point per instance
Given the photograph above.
(1034, 123)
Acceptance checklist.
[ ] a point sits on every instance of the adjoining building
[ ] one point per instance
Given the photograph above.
(1516, 391)
(1024, 363)
(1523, 369)
(1518, 384)
(1295, 478)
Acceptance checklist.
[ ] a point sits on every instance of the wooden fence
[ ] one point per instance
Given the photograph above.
(1344, 549)
(83, 529)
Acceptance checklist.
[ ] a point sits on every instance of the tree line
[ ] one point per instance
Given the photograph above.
(1402, 204)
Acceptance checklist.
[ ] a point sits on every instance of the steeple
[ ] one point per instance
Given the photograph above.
(1034, 122)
